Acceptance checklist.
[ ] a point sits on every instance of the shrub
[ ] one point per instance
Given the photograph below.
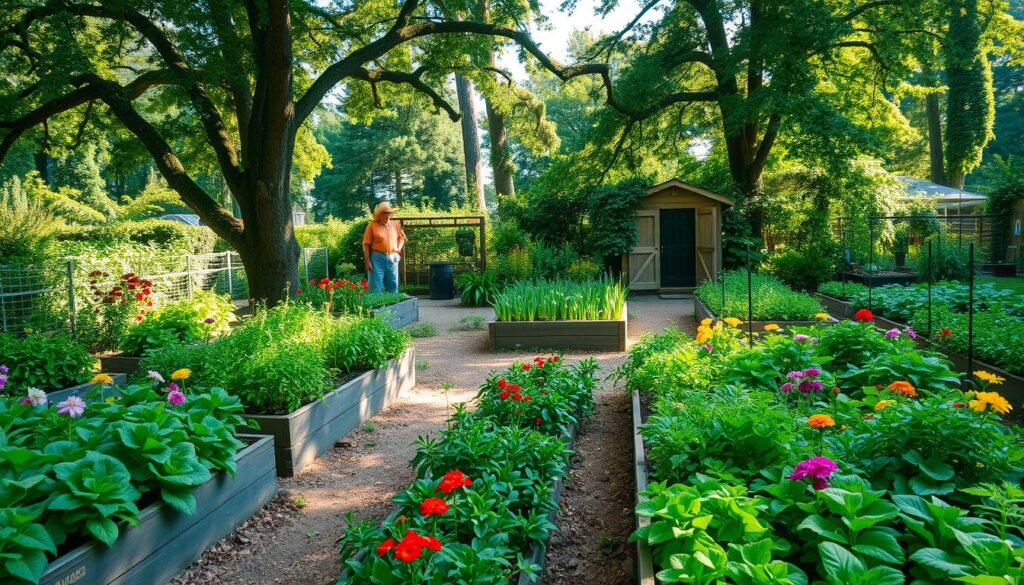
(47, 362)
(773, 301)
(583, 269)
(172, 236)
(331, 235)
(613, 217)
(949, 258)
(113, 305)
(350, 246)
(422, 329)
(508, 235)
(477, 289)
(802, 270)
(26, 227)
(516, 265)
(182, 321)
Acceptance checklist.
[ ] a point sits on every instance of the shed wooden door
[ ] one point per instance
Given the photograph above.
(677, 243)
(707, 244)
(644, 261)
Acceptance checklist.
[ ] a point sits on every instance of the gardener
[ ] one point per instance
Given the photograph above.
(383, 241)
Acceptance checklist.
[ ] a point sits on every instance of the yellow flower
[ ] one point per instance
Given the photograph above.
(703, 334)
(821, 421)
(989, 377)
(982, 400)
(821, 316)
(28, 330)
(181, 374)
(706, 321)
(883, 404)
(102, 379)
(110, 399)
(771, 327)
(732, 321)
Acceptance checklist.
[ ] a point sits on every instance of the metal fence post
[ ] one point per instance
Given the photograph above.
(871, 254)
(970, 309)
(929, 289)
(750, 299)
(231, 287)
(3, 308)
(327, 263)
(188, 276)
(72, 311)
(303, 266)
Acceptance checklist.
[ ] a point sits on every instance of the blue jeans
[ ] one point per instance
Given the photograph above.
(384, 275)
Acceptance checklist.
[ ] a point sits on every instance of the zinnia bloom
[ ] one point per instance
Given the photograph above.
(452, 481)
(883, 404)
(818, 469)
(771, 327)
(786, 387)
(433, 506)
(821, 316)
(175, 398)
(36, 397)
(732, 321)
(102, 379)
(820, 421)
(863, 316)
(181, 374)
(892, 333)
(800, 337)
(989, 377)
(982, 400)
(503, 396)
(73, 407)
(704, 334)
(903, 387)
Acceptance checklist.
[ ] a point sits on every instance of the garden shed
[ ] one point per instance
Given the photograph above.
(680, 238)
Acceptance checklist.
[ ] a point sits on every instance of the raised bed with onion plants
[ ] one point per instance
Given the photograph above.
(167, 541)
(302, 435)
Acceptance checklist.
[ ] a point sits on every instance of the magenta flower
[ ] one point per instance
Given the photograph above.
(800, 337)
(172, 387)
(812, 372)
(808, 386)
(817, 469)
(892, 333)
(175, 397)
(911, 333)
(795, 375)
(787, 387)
(708, 347)
(73, 407)
(4, 370)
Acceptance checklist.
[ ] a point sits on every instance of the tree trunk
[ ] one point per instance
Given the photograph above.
(501, 158)
(937, 172)
(269, 250)
(399, 200)
(470, 141)
(42, 162)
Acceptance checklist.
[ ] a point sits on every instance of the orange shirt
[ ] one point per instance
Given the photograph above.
(386, 239)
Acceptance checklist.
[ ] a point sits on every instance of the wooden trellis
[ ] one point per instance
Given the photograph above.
(416, 261)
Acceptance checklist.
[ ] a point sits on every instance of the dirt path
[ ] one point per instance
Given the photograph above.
(293, 540)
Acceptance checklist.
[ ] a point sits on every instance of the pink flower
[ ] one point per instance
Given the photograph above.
(172, 387)
(911, 333)
(818, 469)
(892, 333)
(175, 397)
(155, 375)
(787, 387)
(812, 372)
(73, 407)
(708, 348)
(800, 337)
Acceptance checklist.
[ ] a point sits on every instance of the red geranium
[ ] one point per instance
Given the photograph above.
(503, 395)
(503, 384)
(432, 543)
(385, 546)
(433, 506)
(517, 397)
(526, 367)
(407, 552)
(947, 332)
(863, 316)
(452, 481)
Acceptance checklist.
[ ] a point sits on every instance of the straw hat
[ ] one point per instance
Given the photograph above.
(384, 207)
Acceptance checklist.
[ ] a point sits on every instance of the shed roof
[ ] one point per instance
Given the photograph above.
(681, 185)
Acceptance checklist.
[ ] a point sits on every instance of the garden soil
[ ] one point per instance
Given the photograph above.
(293, 540)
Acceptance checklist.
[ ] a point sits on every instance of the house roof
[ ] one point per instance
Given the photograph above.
(940, 194)
(704, 192)
(186, 218)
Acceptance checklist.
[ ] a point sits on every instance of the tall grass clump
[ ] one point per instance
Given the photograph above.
(561, 300)
(773, 300)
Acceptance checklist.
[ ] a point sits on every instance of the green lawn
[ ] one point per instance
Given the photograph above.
(1015, 284)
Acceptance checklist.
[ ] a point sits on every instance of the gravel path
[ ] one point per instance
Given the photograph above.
(293, 540)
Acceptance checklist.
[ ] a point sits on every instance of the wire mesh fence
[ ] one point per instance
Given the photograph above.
(49, 296)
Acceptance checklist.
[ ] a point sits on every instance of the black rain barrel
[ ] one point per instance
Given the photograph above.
(442, 281)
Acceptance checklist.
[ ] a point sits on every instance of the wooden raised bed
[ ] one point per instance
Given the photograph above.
(644, 561)
(587, 335)
(167, 541)
(81, 390)
(835, 306)
(120, 363)
(882, 279)
(301, 436)
(701, 312)
(401, 313)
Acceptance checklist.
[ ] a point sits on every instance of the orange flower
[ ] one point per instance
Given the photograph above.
(903, 387)
(821, 421)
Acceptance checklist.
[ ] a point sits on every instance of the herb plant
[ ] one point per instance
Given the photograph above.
(47, 362)
(773, 300)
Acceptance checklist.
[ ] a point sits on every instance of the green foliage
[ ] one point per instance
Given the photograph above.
(773, 301)
(47, 362)
(330, 234)
(422, 329)
(26, 227)
(949, 258)
(801, 270)
(901, 303)
(181, 322)
(470, 323)
(561, 300)
(970, 104)
(350, 247)
(842, 289)
(67, 479)
(159, 233)
(997, 335)
(477, 289)
(612, 213)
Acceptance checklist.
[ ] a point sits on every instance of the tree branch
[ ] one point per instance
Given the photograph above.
(771, 131)
(412, 79)
(867, 6)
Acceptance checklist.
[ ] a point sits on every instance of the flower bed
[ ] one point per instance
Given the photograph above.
(488, 517)
(348, 297)
(702, 313)
(73, 474)
(852, 459)
(774, 302)
(560, 315)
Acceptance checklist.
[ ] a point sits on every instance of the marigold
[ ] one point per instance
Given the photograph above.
(706, 322)
(989, 377)
(903, 387)
(704, 334)
(883, 404)
(181, 374)
(821, 421)
(771, 327)
(821, 316)
(732, 321)
(102, 379)
(983, 400)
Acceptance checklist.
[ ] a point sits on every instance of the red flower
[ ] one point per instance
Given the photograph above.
(407, 552)
(526, 367)
(555, 358)
(513, 387)
(947, 332)
(538, 421)
(863, 316)
(959, 405)
(502, 384)
(452, 481)
(339, 283)
(517, 397)
(364, 284)
(139, 296)
(879, 386)
(543, 392)
(146, 291)
(503, 395)
(528, 398)
(385, 546)
(432, 506)
(312, 282)
(298, 291)
(432, 543)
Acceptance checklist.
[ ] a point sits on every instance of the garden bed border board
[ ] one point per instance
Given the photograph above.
(120, 363)
(599, 335)
(400, 314)
(167, 541)
(644, 560)
(81, 390)
(701, 312)
(301, 436)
